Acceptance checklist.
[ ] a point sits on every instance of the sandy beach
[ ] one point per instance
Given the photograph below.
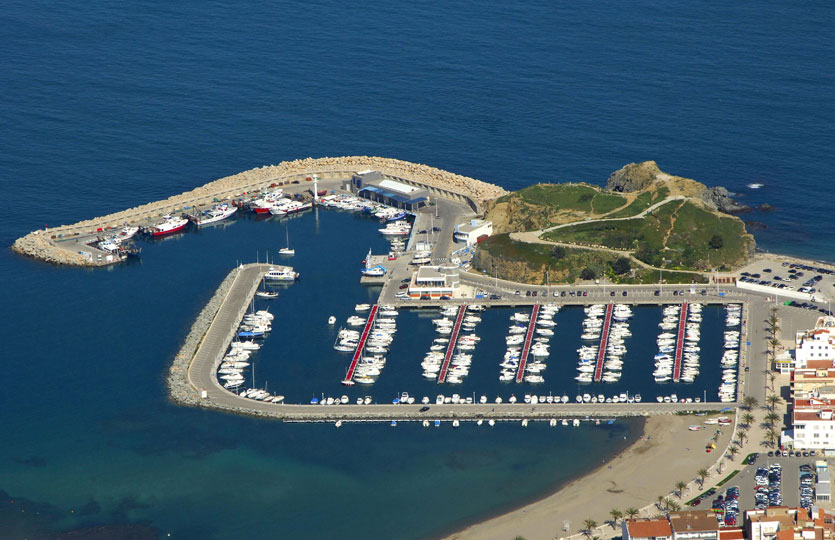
(666, 452)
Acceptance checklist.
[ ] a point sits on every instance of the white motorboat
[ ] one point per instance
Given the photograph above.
(216, 213)
(331, 320)
(281, 273)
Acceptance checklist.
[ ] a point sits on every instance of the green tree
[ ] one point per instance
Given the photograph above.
(588, 527)
(616, 515)
(558, 252)
(771, 436)
(702, 474)
(716, 241)
(621, 266)
(587, 273)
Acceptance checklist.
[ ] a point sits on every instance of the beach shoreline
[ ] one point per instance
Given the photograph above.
(635, 478)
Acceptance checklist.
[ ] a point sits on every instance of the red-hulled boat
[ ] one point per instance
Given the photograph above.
(169, 225)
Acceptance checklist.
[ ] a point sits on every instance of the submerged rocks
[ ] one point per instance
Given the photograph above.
(720, 199)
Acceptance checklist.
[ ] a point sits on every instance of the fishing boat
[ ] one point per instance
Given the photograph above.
(289, 207)
(372, 271)
(169, 225)
(126, 233)
(214, 214)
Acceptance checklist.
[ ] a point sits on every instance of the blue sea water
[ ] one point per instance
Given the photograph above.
(109, 105)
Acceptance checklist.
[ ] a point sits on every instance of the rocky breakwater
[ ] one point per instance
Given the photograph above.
(248, 181)
(38, 245)
(179, 388)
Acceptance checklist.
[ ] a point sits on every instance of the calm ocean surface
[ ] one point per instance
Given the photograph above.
(109, 105)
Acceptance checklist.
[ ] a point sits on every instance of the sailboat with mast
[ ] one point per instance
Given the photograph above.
(287, 250)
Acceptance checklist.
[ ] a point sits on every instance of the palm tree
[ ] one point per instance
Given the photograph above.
(749, 402)
(670, 504)
(660, 502)
(748, 419)
(771, 436)
(773, 400)
(680, 487)
(741, 435)
(616, 515)
(702, 474)
(674, 507)
(631, 512)
(588, 526)
(772, 418)
(733, 450)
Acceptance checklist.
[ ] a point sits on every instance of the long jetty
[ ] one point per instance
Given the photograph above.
(349, 376)
(453, 341)
(526, 347)
(682, 323)
(604, 340)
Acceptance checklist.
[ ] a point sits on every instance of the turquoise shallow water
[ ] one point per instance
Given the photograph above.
(107, 106)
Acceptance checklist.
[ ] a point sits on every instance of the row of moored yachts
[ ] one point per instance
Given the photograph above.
(539, 348)
(380, 337)
(615, 344)
(461, 359)
(255, 325)
(730, 358)
(667, 341)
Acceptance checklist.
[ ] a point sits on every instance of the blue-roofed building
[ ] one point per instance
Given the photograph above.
(374, 186)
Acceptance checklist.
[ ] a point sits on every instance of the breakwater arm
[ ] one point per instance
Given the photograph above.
(55, 245)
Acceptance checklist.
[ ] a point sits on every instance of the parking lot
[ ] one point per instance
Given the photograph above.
(789, 483)
(789, 276)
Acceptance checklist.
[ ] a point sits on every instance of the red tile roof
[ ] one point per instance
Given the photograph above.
(649, 528)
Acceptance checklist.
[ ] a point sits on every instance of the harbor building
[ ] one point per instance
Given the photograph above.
(473, 232)
(816, 344)
(373, 186)
(434, 282)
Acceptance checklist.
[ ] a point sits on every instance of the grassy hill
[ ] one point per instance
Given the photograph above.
(676, 235)
(543, 205)
(686, 233)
